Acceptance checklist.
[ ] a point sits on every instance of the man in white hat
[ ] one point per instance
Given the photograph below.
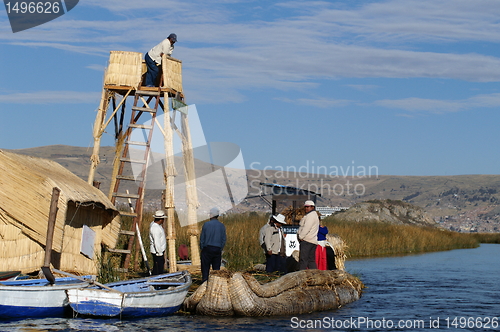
(212, 242)
(262, 235)
(274, 242)
(307, 235)
(158, 241)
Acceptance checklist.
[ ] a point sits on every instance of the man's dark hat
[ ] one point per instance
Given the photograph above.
(172, 37)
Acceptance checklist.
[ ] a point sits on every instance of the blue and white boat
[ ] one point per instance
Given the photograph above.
(152, 296)
(29, 298)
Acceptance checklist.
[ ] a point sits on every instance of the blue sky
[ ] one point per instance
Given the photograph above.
(411, 87)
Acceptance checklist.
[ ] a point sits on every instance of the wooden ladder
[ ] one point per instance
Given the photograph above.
(123, 176)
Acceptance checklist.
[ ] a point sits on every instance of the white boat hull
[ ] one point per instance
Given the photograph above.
(137, 299)
(36, 298)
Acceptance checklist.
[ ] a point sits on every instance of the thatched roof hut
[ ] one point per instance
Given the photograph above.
(26, 185)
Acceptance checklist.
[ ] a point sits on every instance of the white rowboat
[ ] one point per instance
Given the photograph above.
(152, 296)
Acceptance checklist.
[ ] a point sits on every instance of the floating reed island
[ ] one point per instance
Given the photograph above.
(240, 294)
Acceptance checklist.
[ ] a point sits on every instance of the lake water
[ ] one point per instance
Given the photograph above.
(456, 290)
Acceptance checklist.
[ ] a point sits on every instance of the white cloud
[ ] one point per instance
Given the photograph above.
(97, 67)
(316, 41)
(419, 105)
(319, 102)
(412, 20)
(363, 87)
(66, 47)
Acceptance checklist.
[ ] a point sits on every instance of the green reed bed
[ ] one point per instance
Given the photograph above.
(242, 250)
(366, 239)
(487, 237)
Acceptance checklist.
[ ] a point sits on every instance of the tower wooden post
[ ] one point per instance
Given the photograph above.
(191, 193)
(97, 133)
(169, 176)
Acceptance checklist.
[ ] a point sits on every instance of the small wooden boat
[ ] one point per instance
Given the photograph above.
(37, 297)
(152, 296)
(6, 275)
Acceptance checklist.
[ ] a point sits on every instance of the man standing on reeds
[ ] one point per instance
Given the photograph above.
(158, 242)
(212, 242)
(262, 235)
(307, 235)
(153, 58)
(275, 245)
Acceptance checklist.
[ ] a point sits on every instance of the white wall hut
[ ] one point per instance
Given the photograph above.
(26, 185)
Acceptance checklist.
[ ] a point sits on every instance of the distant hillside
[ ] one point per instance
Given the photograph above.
(388, 211)
(461, 202)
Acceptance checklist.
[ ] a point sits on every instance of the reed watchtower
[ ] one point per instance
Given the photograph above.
(123, 81)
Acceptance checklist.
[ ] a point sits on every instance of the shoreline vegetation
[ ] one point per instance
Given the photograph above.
(363, 240)
(242, 251)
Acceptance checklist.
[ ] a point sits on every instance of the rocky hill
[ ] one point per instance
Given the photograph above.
(462, 203)
(388, 211)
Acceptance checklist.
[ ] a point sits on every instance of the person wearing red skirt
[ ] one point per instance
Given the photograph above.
(321, 256)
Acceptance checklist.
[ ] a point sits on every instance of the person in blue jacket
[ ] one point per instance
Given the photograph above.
(212, 242)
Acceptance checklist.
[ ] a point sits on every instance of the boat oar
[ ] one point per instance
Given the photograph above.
(50, 235)
(90, 281)
(142, 249)
(144, 256)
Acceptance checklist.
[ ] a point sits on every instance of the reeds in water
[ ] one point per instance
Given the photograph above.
(366, 239)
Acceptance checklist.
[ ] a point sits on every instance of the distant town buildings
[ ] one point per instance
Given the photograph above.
(327, 211)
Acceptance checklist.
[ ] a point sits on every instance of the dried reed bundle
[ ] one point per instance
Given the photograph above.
(259, 267)
(296, 255)
(244, 297)
(340, 249)
(191, 302)
(303, 278)
(124, 68)
(219, 303)
(349, 289)
(293, 216)
(172, 73)
(295, 293)
(293, 302)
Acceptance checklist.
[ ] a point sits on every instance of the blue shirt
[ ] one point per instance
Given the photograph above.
(213, 233)
(322, 233)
